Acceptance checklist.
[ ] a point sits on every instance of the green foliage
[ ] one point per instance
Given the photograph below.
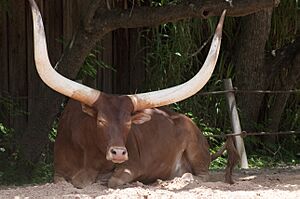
(291, 117)
(284, 24)
(14, 169)
(11, 106)
(160, 3)
(4, 5)
(53, 132)
(176, 52)
(265, 155)
(42, 172)
(91, 63)
(6, 137)
(219, 163)
(21, 172)
(8, 153)
(285, 28)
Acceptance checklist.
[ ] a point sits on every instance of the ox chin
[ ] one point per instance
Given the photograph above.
(118, 161)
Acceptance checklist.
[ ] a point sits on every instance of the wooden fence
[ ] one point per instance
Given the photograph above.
(18, 77)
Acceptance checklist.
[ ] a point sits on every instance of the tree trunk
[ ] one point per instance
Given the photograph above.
(251, 71)
(288, 63)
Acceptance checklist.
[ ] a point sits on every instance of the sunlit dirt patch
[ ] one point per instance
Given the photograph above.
(267, 183)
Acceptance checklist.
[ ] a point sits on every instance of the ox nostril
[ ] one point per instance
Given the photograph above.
(113, 152)
(124, 152)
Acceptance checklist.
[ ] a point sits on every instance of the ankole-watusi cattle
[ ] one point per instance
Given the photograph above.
(125, 136)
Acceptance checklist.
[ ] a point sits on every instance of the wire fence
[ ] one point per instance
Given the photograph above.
(295, 91)
(236, 91)
(242, 134)
(245, 134)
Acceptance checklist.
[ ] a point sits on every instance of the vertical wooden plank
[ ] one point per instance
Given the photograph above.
(72, 11)
(67, 21)
(105, 80)
(52, 17)
(82, 7)
(53, 26)
(71, 17)
(36, 87)
(136, 63)
(42, 100)
(58, 29)
(17, 61)
(4, 72)
(31, 71)
(121, 60)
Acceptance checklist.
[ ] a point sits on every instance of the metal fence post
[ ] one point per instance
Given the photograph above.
(235, 123)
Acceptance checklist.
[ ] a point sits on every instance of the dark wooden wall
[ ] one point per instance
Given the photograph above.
(18, 78)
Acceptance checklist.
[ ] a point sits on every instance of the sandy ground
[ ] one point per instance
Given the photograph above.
(272, 183)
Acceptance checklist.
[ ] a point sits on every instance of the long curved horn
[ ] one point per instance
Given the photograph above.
(187, 89)
(50, 77)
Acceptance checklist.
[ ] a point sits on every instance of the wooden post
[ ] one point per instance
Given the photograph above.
(235, 123)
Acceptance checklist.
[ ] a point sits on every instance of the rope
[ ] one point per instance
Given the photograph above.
(245, 134)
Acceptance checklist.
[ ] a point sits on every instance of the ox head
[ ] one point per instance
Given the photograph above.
(114, 115)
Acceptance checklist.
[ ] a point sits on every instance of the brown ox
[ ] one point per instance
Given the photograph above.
(125, 135)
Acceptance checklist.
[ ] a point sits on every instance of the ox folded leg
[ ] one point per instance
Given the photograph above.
(84, 177)
(88, 172)
(121, 176)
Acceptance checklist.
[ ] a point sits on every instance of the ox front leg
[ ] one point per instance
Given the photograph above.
(88, 173)
(121, 176)
(84, 177)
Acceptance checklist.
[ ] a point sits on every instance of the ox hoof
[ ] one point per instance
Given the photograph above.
(80, 184)
(83, 179)
(115, 182)
(228, 179)
(58, 179)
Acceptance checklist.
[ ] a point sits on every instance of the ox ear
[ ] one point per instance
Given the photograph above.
(88, 110)
(140, 118)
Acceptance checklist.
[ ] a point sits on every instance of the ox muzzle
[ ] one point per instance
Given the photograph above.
(117, 154)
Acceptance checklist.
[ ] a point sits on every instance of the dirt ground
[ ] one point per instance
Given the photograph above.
(278, 183)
